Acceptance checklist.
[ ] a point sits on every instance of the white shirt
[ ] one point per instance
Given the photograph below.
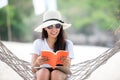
(39, 45)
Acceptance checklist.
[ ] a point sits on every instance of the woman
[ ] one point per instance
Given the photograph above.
(52, 39)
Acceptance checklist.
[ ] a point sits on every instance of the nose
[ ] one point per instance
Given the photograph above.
(54, 27)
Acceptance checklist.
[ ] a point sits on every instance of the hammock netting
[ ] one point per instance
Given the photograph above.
(80, 71)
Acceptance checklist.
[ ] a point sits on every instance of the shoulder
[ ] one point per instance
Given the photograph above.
(38, 41)
(69, 41)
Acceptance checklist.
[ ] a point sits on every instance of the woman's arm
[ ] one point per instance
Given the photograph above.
(34, 62)
(37, 61)
(67, 62)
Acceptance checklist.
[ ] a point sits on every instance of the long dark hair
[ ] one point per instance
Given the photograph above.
(60, 43)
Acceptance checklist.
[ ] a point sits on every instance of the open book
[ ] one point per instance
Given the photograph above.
(54, 58)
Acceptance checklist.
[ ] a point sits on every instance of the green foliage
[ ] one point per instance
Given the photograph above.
(18, 12)
(3, 28)
(81, 13)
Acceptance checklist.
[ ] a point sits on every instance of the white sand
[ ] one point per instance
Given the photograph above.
(108, 71)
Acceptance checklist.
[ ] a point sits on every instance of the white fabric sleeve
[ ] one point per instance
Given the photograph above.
(70, 49)
(36, 47)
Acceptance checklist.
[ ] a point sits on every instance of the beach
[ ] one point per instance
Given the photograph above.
(108, 71)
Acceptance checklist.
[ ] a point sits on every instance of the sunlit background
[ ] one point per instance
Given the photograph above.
(94, 23)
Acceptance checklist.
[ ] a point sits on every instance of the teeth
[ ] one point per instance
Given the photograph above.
(53, 33)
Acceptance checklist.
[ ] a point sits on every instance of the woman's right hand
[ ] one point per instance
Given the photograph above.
(41, 60)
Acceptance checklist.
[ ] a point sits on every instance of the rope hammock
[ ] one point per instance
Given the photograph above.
(80, 71)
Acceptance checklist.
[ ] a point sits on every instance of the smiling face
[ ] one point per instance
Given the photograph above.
(53, 30)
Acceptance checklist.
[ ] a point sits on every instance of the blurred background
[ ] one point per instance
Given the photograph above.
(93, 22)
(95, 28)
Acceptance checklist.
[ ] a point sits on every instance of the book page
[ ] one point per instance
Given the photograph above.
(51, 57)
(54, 59)
(61, 55)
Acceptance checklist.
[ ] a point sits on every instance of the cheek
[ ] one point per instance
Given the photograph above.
(58, 30)
(45, 29)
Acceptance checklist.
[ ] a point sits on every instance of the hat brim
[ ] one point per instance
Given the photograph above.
(48, 23)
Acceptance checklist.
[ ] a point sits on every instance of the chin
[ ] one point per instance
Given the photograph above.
(54, 36)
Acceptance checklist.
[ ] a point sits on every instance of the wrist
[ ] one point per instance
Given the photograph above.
(36, 64)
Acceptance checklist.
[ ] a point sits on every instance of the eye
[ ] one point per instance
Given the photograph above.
(58, 26)
(50, 27)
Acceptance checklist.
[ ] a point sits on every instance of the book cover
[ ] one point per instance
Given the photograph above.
(54, 58)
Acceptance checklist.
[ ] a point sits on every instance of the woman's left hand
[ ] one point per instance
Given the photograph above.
(66, 62)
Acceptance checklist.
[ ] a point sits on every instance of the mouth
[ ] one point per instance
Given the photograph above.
(54, 33)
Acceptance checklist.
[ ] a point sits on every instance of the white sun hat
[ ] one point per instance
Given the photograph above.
(50, 18)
